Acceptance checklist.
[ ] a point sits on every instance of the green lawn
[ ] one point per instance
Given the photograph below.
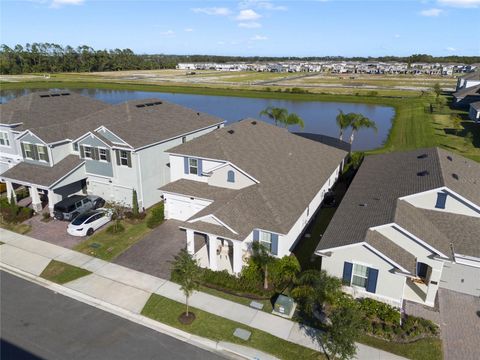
(108, 246)
(425, 349)
(62, 273)
(220, 329)
(18, 228)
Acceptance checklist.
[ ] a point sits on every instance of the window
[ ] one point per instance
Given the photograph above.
(360, 275)
(103, 154)
(193, 166)
(231, 176)
(28, 151)
(87, 152)
(123, 158)
(42, 153)
(266, 240)
(75, 146)
(184, 139)
(4, 141)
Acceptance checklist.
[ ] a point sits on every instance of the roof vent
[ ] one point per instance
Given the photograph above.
(198, 113)
(55, 95)
(140, 105)
(254, 122)
(65, 94)
(230, 131)
(449, 158)
(44, 96)
(455, 176)
(363, 204)
(149, 104)
(423, 156)
(423, 173)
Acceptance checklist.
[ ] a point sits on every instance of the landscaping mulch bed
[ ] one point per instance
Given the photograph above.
(186, 319)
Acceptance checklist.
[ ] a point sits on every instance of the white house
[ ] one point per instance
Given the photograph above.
(468, 80)
(109, 150)
(408, 224)
(474, 112)
(247, 182)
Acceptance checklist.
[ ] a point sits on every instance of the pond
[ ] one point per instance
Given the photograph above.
(319, 117)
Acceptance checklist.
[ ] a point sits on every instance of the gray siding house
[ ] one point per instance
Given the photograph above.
(108, 150)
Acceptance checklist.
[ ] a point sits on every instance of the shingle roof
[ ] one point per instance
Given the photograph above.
(40, 174)
(290, 170)
(476, 105)
(472, 90)
(475, 75)
(383, 179)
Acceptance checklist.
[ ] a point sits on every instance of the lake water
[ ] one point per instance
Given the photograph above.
(319, 117)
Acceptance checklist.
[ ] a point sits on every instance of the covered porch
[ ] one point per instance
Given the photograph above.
(46, 185)
(422, 288)
(216, 253)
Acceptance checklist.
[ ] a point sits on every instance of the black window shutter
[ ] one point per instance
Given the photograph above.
(22, 145)
(45, 150)
(117, 155)
(95, 153)
(107, 153)
(129, 159)
(35, 152)
(347, 273)
(372, 280)
(82, 152)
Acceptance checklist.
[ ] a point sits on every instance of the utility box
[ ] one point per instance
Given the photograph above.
(284, 306)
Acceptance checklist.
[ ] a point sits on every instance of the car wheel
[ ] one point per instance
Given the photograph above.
(90, 232)
(59, 216)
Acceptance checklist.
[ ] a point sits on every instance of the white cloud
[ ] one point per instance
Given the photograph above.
(431, 12)
(460, 3)
(167, 33)
(451, 49)
(248, 15)
(250, 25)
(259, 38)
(59, 3)
(397, 36)
(188, 30)
(267, 5)
(221, 42)
(219, 11)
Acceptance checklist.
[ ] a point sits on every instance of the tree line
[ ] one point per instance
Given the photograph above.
(51, 58)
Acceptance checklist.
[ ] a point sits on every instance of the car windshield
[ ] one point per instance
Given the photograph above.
(80, 219)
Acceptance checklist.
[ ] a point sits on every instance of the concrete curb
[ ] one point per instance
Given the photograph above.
(181, 335)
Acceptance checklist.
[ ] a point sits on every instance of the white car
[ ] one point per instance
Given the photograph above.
(86, 223)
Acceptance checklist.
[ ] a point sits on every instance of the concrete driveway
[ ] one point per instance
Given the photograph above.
(54, 231)
(153, 254)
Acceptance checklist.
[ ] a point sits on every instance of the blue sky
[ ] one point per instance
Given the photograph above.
(250, 27)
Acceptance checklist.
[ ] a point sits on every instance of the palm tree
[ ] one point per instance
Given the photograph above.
(343, 122)
(261, 256)
(358, 122)
(186, 269)
(293, 119)
(274, 113)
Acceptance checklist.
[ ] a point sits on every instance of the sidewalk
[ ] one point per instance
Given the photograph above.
(127, 289)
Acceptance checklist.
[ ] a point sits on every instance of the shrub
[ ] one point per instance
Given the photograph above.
(134, 203)
(156, 216)
(12, 213)
(46, 215)
(23, 214)
(376, 309)
(115, 228)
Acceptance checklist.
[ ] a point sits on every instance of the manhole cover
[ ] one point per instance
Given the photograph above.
(95, 245)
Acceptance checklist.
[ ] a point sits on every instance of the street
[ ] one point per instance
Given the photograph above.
(39, 324)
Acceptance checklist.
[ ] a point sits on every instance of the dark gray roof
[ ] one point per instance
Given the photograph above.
(327, 140)
(383, 179)
(39, 109)
(475, 75)
(40, 174)
(476, 105)
(470, 91)
(290, 170)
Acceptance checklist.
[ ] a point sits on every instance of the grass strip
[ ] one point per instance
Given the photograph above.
(62, 273)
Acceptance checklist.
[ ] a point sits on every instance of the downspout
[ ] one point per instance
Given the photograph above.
(140, 179)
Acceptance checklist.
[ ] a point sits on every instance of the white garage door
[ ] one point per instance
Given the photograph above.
(110, 192)
(182, 209)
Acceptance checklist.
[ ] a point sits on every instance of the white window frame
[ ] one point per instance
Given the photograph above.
(102, 157)
(123, 158)
(190, 166)
(40, 152)
(5, 139)
(30, 149)
(90, 152)
(360, 276)
(265, 239)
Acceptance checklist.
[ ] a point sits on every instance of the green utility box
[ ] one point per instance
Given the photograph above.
(284, 305)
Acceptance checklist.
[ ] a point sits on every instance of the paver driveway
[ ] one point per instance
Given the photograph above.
(153, 254)
(460, 323)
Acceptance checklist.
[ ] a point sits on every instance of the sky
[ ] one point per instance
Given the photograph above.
(249, 27)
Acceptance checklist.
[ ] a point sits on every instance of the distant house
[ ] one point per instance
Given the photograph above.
(408, 224)
(474, 112)
(248, 182)
(465, 96)
(468, 80)
(65, 143)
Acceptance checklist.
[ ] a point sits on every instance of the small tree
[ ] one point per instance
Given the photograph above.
(134, 203)
(118, 210)
(261, 256)
(284, 271)
(339, 340)
(274, 113)
(359, 122)
(187, 274)
(457, 122)
(293, 119)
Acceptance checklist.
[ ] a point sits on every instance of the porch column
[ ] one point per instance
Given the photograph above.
(36, 203)
(51, 202)
(237, 257)
(10, 192)
(433, 287)
(212, 252)
(190, 242)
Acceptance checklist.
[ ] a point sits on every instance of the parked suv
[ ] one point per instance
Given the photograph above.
(69, 208)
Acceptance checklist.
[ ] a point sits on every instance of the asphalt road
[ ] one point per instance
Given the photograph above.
(36, 323)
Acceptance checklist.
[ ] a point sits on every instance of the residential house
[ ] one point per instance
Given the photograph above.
(468, 80)
(247, 182)
(109, 152)
(467, 95)
(474, 112)
(408, 224)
